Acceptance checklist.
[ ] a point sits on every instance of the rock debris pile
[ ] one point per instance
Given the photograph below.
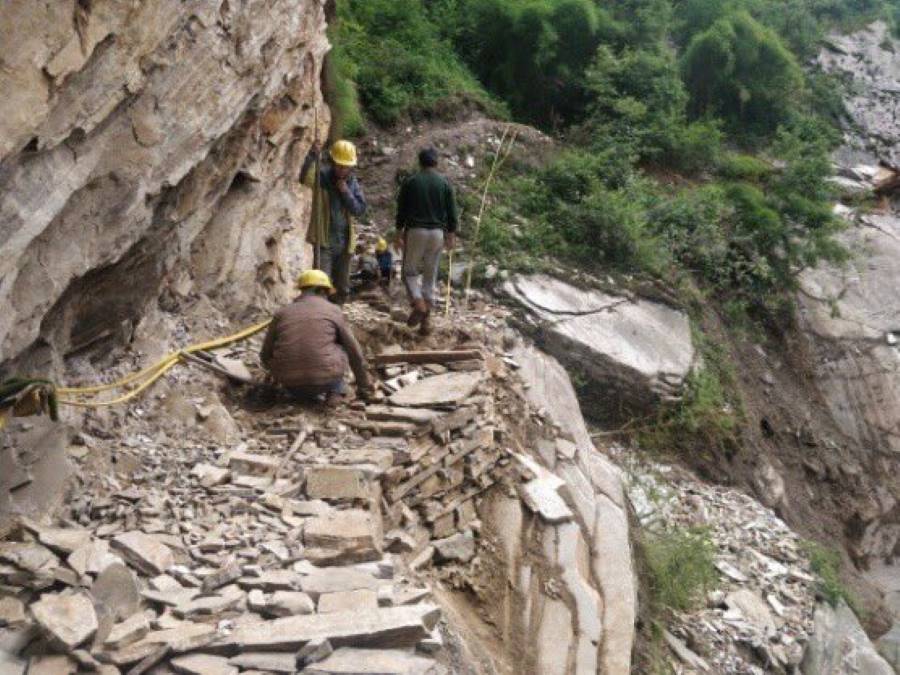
(294, 550)
(759, 618)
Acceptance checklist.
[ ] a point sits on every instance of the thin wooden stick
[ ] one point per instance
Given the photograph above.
(496, 164)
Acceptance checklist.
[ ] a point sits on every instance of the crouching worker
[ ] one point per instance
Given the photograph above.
(309, 345)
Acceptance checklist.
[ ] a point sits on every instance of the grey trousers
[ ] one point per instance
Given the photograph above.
(337, 267)
(420, 262)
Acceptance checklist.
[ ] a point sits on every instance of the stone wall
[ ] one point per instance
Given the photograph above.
(147, 147)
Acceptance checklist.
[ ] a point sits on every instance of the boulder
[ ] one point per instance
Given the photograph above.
(638, 351)
(839, 645)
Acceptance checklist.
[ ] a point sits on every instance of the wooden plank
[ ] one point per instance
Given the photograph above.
(429, 357)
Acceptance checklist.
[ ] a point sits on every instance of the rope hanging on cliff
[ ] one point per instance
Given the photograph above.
(82, 396)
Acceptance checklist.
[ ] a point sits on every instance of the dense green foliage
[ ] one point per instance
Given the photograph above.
(393, 54)
(709, 89)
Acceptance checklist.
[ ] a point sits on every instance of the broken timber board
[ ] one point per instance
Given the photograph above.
(429, 357)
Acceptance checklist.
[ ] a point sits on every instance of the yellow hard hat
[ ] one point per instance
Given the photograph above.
(343, 153)
(314, 279)
(381, 246)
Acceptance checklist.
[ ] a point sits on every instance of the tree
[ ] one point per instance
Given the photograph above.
(740, 70)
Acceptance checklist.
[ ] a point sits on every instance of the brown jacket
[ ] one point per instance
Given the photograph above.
(309, 343)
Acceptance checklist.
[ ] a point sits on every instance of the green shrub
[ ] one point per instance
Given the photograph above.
(681, 568)
(737, 166)
(400, 64)
(826, 565)
(740, 70)
(347, 119)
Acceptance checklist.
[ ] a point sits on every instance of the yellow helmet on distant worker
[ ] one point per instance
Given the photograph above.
(314, 279)
(381, 246)
(343, 153)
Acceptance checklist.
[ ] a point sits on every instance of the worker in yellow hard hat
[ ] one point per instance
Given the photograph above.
(337, 199)
(309, 345)
(385, 261)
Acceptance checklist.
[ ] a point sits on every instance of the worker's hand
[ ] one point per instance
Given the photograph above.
(341, 184)
(315, 148)
(450, 241)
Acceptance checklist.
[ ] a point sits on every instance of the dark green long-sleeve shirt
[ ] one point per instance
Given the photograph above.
(426, 200)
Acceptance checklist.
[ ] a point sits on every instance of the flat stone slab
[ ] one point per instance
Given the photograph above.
(439, 390)
(343, 601)
(69, 619)
(542, 497)
(66, 540)
(350, 661)
(271, 662)
(203, 664)
(144, 552)
(12, 611)
(131, 630)
(336, 579)
(395, 627)
(336, 482)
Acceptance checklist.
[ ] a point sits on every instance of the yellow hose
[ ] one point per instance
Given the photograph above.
(152, 372)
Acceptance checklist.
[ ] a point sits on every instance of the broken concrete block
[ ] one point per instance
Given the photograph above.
(352, 661)
(130, 630)
(457, 548)
(383, 627)
(336, 482)
(270, 662)
(144, 552)
(342, 601)
(254, 465)
(203, 664)
(343, 536)
(69, 619)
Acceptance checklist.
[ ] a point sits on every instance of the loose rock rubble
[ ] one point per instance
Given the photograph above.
(760, 616)
(293, 550)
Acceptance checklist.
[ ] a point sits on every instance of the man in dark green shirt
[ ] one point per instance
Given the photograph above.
(427, 219)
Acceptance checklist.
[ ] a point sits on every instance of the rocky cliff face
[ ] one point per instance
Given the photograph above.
(146, 149)
(850, 315)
